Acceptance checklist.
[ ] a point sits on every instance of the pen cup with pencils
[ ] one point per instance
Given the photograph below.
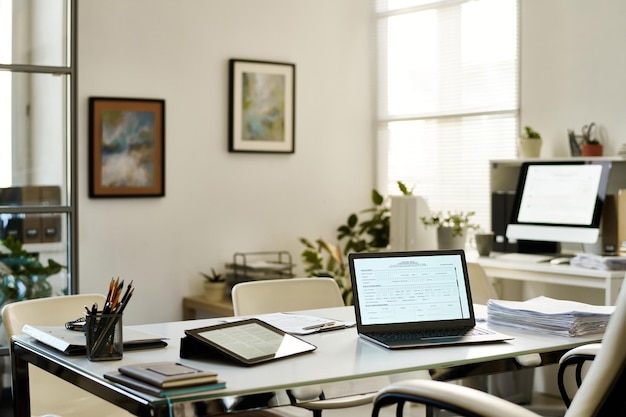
(104, 338)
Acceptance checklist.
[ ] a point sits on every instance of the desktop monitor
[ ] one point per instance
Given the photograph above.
(559, 201)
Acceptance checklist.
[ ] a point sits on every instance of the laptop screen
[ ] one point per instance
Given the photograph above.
(410, 287)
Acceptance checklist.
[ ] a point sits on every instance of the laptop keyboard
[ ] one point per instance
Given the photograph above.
(431, 334)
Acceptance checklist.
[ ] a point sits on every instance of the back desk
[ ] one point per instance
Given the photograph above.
(609, 282)
(340, 356)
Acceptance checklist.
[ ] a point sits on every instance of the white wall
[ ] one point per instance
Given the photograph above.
(218, 203)
(572, 70)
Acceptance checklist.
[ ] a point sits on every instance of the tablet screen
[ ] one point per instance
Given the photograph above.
(251, 341)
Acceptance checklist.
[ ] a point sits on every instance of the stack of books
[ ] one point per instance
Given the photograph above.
(165, 379)
(549, 315)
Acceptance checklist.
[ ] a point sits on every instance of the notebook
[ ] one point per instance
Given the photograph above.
(415, 299)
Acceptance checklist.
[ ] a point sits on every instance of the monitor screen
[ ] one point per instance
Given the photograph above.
(559, 201)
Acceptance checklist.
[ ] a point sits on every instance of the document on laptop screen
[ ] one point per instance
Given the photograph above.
(411, 289)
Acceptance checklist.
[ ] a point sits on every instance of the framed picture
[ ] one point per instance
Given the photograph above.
(261, 106)
(126, 147)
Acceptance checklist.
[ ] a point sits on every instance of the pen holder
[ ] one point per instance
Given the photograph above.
(103, 333)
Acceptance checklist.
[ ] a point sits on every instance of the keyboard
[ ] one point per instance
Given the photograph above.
(524, 257)
(429, 334)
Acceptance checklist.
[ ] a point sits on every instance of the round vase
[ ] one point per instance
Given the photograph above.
(446, 240)
(214, 291)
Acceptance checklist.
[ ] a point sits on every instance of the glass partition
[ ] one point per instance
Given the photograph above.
(33, 132)
(34, 32)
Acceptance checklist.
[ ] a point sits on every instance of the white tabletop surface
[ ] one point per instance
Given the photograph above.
(340, 356)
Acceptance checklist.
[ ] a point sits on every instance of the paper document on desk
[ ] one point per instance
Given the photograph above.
(302, 324)
(73, 342)
(607, 263)
(561, 317)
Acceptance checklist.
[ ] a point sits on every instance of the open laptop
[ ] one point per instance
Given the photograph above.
(415, 299)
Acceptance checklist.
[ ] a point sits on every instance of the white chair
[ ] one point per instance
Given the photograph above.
(482, 288)
(292, 294)
(48, 394)
(271, 296)
(600, 394)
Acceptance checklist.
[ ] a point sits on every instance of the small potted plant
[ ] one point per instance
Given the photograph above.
(530, 143)
(451, 228)
(590, 146)
(214, 285)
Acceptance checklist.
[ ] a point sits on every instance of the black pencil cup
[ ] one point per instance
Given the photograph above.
(103, 333)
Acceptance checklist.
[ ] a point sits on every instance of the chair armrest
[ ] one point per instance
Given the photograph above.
(590, 350)
(336, 403)
(577, 357)
(456, 398)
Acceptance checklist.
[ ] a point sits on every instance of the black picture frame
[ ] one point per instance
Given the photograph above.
(126, 147)
(261, 106)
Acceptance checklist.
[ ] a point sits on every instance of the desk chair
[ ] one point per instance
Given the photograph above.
(482, 288)
(600, 394)
(515, 386)
(50, 396)
(292, 294)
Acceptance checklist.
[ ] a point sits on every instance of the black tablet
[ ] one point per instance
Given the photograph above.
(250, 341)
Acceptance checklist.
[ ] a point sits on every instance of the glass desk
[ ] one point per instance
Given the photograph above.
(340, 356)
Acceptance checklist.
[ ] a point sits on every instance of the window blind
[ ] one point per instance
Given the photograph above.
(447, 98)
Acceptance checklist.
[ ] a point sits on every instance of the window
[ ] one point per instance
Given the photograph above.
(37, 137)
(448, 98)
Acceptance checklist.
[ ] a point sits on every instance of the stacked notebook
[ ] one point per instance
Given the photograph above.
(165, 379)
(549, 315)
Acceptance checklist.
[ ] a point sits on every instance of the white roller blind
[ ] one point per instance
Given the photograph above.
(448, 98)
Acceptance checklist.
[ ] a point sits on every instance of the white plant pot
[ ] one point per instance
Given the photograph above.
(529, 148)
(446, 240)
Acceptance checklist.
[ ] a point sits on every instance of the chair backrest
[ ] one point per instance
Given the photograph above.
(48, 393)
(51, 311)
(289, 294)
(602, 390)
(482, 289)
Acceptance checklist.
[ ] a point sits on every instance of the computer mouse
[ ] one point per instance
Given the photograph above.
(560, 261)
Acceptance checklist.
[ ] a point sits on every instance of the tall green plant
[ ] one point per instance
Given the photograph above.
(324, 259)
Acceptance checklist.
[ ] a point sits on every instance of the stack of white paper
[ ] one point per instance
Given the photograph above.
(549, 315)
(609, 263)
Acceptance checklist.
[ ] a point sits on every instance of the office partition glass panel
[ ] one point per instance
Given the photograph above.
(37, 139)
(34, 32)
(33, 132)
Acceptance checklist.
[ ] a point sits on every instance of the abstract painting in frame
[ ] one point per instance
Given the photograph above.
(261, 106)
(126, 147)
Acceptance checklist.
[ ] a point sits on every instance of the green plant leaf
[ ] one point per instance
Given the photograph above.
(377, 198)
(404, 189)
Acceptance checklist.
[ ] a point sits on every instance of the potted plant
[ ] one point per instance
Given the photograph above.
(451, 228)
(530, 143)
(214, 285)
(324, 259)
(590, 146)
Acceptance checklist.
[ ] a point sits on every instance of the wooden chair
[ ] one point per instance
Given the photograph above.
(50, 396)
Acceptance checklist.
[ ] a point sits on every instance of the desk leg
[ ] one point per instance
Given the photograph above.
(610, 292)
(21, 390)
(188, 313)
